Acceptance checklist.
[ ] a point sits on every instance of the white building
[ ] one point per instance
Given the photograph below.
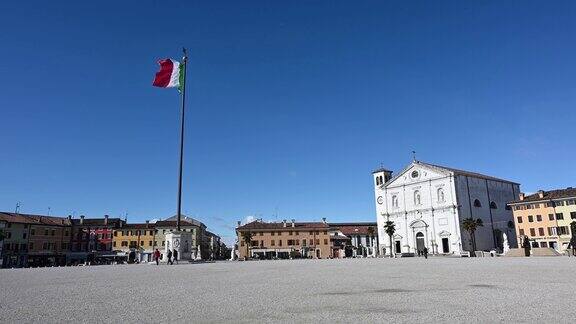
(428, 203)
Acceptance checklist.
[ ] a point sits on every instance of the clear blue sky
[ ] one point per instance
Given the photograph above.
(291, 104)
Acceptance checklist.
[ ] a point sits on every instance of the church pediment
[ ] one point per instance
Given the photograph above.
(444, 234)
(415, 173)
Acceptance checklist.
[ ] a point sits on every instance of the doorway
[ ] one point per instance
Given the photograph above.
(318, 254)
(420, 242)
(445, 245)
(397, 247)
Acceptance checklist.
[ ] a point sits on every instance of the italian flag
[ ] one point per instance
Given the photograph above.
(170, 74)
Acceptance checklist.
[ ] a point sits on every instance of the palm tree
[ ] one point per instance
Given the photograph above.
(247, 238)
(390, 229)
(470, 225)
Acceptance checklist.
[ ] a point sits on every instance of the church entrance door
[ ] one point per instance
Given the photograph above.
(420, 241)
(445, 245)
(398, 248)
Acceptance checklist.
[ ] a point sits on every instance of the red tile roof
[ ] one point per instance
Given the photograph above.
(549, 195)
(358, 229)
(34, 219)
(257, 225)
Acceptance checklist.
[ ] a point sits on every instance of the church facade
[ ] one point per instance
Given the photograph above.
(427, 204)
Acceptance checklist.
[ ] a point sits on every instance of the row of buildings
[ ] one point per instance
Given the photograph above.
(428, 205)
(317, 240)
(39, 240)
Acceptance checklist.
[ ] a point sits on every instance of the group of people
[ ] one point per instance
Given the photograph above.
(172, 256)
(423, 252)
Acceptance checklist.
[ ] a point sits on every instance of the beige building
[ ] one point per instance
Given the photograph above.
(284, 240)
(545, 217)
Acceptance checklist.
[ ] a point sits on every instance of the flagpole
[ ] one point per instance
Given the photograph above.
(184, 61)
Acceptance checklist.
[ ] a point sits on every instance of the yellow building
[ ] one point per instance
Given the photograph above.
(545, 217)
(136, 240)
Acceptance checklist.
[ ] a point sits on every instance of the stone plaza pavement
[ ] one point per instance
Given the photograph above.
(349, 290)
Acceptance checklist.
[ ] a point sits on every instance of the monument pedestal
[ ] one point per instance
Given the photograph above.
(180, 242)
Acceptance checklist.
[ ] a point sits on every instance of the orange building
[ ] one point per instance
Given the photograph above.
(137, 240)
(545, 218)
(284, 240)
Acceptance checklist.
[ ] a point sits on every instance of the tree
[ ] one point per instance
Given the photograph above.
(470, 225)
(390, 229)
(247, 238)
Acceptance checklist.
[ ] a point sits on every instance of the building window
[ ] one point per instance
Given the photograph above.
(559, 203)
(32, 231)
(550, 216)
(519, 219)
(530, 218)
(24, 235)
(550, 231)
(149, 243)
(304, 242)
(538, 218)
(395, 201)
(477, 203)
(562, 230)
(290, 233)
(377, 181)
(541, 231)
(272, 243)
(440, 195)
(573, 215)
(279, 242)
(493, 205)
(114, 244)
(532, 232)
(273, 233)
(326, 241)
(559, 216)
(45, 232)
(261, 233)
(417, 198)
(31, 246)
(279, 233)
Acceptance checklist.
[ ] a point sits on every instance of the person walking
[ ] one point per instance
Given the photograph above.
(425, 251)
(169, 255)
(176, 256)
(157, 256)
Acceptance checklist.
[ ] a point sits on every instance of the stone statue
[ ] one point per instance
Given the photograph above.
(198, 254)
(505, 245)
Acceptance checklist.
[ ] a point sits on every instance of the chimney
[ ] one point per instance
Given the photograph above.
(81, 219)
(293, 220)
(105, 219)
(239, 223)
(521, 196)
(541, 193)
(70, 218)
(147, 223)
(324, 220)
(284, 223)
